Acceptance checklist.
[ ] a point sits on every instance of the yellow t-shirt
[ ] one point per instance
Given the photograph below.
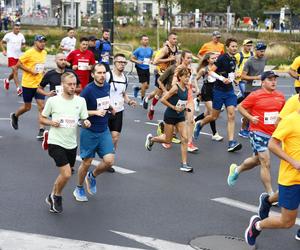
(296, 66)
(33, 60)
(291, 105)
(238, 59)
(288, 132)
(212, 47)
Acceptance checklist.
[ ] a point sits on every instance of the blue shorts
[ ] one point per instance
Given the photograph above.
(92, 143)
(289, 197)
(259, 141)
(29, 93)
(220, 98)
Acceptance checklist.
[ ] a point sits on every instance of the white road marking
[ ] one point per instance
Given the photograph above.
(119, 170)
(245, 206)
(12, 240)
(155, 243)
(4, 119)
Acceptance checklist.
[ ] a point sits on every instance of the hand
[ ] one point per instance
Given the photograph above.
(86, 123)
(4, 52)
(238, 75)
(51, 93)
(139, 62)
(54, 124)
(113, 111)
(101, 112)
(33, 72)
(179, 109)
(132, 103)
(254, 119)
(258, 77)
(172, 58)
(226, 81)
(75, 67)
(296, 164)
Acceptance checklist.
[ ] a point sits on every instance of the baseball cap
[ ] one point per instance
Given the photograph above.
(260, 46)
(268, 74)
(216, 34)
(17, 24)
(247, 41)
(92, 38)
(40, 38)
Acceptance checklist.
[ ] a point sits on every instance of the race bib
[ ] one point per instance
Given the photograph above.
(58, 89)
(103, 103)
(83, 65)
(146, 61)
(231, 76)
(270, 118)
(68, 122)
(105, 57)
(39, 67)
(256, 83)
(181, 104)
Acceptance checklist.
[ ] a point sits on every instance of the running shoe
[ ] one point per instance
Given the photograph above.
(244, 133)
(186, 168)
(233, 175)
(297, 236)
(216, 137)
(50, 203)
(150, 114)
(191, 147)
(145, 103)
(19, 91)
(111, 170)
(264, 206)
(79, 194)
(197, 104)
(136, 91)
(40, 134)
(57, 203)
(45, 140)
(251, 232)
(160, 128)
(149, 143)
(90, 182)
(175, 140)
(6, 84)
(234, 146)
(197, 130)
(167, 145)
(14, 121)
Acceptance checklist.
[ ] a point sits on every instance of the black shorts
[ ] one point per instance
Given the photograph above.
(115, 122)
(156, 76)
(173, 120)
(297, 89)
(144, 75)
(207, 92)
(62, 156)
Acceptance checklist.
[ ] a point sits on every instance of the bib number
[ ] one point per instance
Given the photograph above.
(256, 83)
(39, 67)
(231, 76)
(270, 118)
(146, 61)
(58, 90)
(181, 104)
(83, 65)
(103, 103)
(67, 122)
(105, 57)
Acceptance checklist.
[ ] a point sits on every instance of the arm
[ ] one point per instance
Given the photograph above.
(160, 59)
(47, 122)
(128, 100)
(244, 112)
(41, 91)
(135, 60)
(244, 76)
(164, 99)
(24, 68)
(3, 48)
(200, 73)
(294, 74)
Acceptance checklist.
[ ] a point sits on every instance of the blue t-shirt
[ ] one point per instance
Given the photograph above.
(141, 54)
(94, 96)
(103, 47)
(225, 67)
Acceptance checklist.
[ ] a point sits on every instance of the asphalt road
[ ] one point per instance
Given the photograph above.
(154, 206)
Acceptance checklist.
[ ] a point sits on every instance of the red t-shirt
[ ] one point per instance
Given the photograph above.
(266, 106)
(82, 60)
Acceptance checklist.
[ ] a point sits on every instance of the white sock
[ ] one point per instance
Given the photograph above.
(257, 226)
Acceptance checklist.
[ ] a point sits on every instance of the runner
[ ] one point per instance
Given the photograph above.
(65, 110)
(142, 57)
(68, 44)
(14, 41)
(32, 62)
(118, 96)
(295, 73)
(261, 107)
(97, 138)
(82, 61)
(223, 93)
(165, 58)
(175, 100)
(104, 48)
(207, 91)
(214, 46)
(251, 74)
(92, 47)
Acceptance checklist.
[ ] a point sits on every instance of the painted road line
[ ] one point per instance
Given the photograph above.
(12, 240)
(245, 206)
(4, 119)
(119, 170)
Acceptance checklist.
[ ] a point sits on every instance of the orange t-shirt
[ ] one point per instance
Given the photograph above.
(266, 106)
(217, 48)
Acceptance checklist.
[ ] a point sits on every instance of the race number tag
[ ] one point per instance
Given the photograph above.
(231, 76)
(68, 122)
(146, 61)
(83, 65)
(181, 104)
(39, 67)
(270, 118)
(256, 83)
(105, 57)
(103, 103)
(58, 89)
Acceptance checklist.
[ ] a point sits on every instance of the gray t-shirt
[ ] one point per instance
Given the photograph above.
(254, 67)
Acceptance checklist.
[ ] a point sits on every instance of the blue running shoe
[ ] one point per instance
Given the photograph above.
(79, 194)
(197, 130)
(251, 232)
(136, 91)
(264, 206)
(234, 146)
(244, 133)
(297, 237)
(90, 182)
(233, 175)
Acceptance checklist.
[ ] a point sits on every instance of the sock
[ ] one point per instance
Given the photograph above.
(142, 98)
(93, 175)
(151, 107)
(154, 101)
(80, 186)
(213, 127)
(199, 117)
(237, 170)
(257, 226)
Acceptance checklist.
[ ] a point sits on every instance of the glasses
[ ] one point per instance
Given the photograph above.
(122, 62)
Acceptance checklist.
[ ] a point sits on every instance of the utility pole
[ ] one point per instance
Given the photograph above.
(108, 17)
(72, 13)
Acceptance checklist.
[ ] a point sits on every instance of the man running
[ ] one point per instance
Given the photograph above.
(32, 62)
(68, 44)
(295, 73)
(14, 41)
(214, 46)
(97, 138)
(261, 108)
(104, 49)
(142, 57)
(65, 110)
(82, 61)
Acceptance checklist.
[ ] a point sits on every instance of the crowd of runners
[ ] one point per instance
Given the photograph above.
(84, 91)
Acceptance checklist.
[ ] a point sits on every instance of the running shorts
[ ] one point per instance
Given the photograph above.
(115, 122)
(62, 156)
(289, 196)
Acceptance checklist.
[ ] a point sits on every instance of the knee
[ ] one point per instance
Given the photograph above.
(67, 174)
(184, 139)
(109, 162)
(288, 223)
(230, 116)
(27, 107)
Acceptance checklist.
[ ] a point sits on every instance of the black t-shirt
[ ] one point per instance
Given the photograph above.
(225, 65)
(54, 79)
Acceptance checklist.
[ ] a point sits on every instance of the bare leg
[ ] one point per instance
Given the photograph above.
(181, 128)
(106, 163)
(265, 175)
(61, 180)
(287, 219)
(230, 122)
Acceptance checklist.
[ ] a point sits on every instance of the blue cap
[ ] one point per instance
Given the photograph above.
(268, 74)
(40, 38)
(260, 46)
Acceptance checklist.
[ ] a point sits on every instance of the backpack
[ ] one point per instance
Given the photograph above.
(111, 80)
(99, 46)
(242, 57)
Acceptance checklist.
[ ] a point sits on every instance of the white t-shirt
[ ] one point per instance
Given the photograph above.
(14, 44)
(117, 90)
(68, 43)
